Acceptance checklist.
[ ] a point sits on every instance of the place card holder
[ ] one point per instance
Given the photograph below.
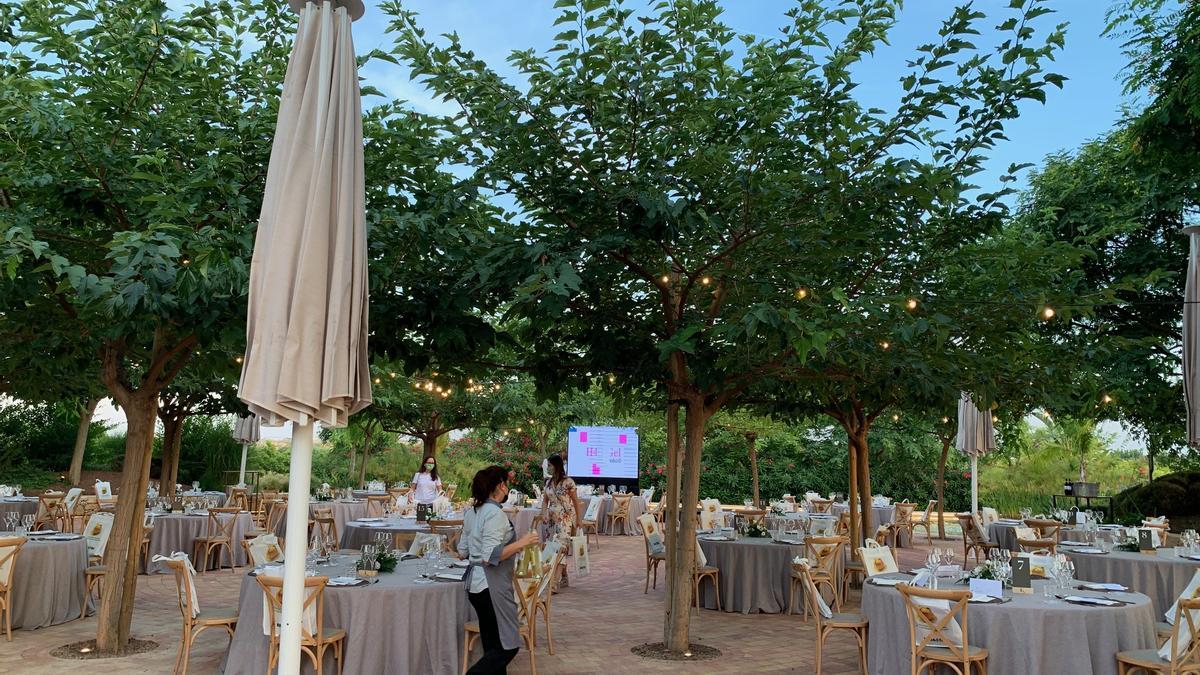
(1145, 541)
(1022, 581)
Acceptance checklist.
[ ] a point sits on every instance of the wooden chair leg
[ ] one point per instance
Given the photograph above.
(820, 638)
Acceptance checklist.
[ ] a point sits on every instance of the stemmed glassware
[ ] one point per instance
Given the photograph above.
(932, 562)
(27, 520)
(1026, 513)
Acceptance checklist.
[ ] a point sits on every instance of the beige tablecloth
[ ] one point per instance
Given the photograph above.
(755, 575)
(1027, 636)
(1162, 577)
(22, 505)
(177, 532)
(48, 582)
(393, 627)
(522, 520)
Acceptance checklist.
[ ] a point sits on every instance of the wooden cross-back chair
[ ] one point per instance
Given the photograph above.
(903, 522)
(239, 497)
(377, 505)
(974, 539)
(856, 623)
(825, 554)
(937, 645)
(1046, 528)
(1184, 650)
(821, 505)
(10, 548)
(195, 622)
(218, 536)
(926, 521)
(619, 512)
(51, 511)
(451, 530)
(315, 640)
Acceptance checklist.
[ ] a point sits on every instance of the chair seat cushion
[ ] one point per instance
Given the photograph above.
(1163, 629)
(333, 634)
(944, 654)
(1148, 657)
(847, 619)
(218, 615)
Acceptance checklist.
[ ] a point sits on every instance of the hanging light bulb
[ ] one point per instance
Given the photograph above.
(392, 375)
(612, 379)
(706, 280)
(801, 293)
(1107, 399)
(377, 380)
(1047, 313)
(945, 420)
(666, 279)
(911, 304)
(238, 359)
(895, 417)
(885, 345)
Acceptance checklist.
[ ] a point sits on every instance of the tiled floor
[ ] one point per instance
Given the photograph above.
(596, 622)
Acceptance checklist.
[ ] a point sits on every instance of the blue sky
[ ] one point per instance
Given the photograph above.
(1087, 106)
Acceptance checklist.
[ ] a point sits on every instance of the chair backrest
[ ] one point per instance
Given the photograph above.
(313, 611)
(450, 490)
(1182, 649)
(9, 548)
(822, 527)
(450, 529)
(264, 549)
(930, 509)
(421, 542)
(99, 526)
(1190, 592)
(758, 516)
(843, 523)
(238, 497)
(1048, 546)
(821, 505)
(322, 511)
(221, 521)
(621, 505)
(376, 504)
(936, 619)
(904, 512)
(49, 506)
(277, 513)
(969, 523)
(988, 515)
(1045, 527)
(824, 553)
(185, 587)
(812, 596)
(327, 529)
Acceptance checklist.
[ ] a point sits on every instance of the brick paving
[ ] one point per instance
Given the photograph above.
(596, 622)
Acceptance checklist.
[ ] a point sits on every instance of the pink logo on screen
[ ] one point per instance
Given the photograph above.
(583, 437)
(595, 469)
(621, 439)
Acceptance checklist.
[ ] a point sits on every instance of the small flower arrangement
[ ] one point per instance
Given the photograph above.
(985, 571)
(1129, 545)
(757, 530)
(382, 561)
(777, 509)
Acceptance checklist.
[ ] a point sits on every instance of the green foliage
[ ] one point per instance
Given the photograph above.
(42, 435)
(27, 475)
(516, 452)
(1173, 495)
(106, 452)
(208, 451)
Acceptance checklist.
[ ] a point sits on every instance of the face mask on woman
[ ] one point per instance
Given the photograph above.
(429, 466)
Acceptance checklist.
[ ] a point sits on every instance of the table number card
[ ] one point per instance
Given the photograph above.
(1145, 540)
(1021, 581)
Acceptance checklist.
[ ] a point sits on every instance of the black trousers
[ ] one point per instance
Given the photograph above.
(495, 657)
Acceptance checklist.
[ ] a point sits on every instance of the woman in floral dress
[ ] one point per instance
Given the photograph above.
(558, 503)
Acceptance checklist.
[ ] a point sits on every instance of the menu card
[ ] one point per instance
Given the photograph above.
(990, 587)
(1145, 540)
(1021, 581)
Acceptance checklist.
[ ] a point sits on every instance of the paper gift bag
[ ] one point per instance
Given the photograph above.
(580, 548)
(710, 514)
(877, 560)
(1190, 592)
(593, 509)
(931, 612)
(654, 536)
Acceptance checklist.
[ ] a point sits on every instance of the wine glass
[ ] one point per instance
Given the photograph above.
(932, 562)
(28, 519)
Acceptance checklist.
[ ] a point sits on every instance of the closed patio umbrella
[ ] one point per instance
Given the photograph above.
(1191, 336)
(976, 436)
(306, 327)
(245, 431)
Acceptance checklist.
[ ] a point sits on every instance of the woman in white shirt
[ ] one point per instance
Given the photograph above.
(490, 545)
(426, 486)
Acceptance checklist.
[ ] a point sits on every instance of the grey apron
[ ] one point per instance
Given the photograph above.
(500, 585)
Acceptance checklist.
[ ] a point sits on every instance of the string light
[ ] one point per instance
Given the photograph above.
(612, 379)
(1107, 399)
(995, 420)
(801, 293)
(895, 417)
(885, 344)
(238, 359)
(392, 375)
(417, 385)
(518, 430)
(705, 280)
(1047, 313)
(666, 279)
(378, 381)
(911, 304)
(185, 261)
(945, 420)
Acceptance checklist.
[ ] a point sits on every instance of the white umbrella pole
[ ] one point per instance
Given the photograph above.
(242, 471)
(295, 548)
(974, 485)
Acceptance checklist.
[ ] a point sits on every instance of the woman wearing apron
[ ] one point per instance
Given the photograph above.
(490, 545)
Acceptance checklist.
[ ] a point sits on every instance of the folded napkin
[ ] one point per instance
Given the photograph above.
(460, 563)
(344, 581)
(453, 575)
(374, 519)
(885, 581)
(984, 599)
(1092, 600)
(716, 537)
(1072, 543)
(1103, 587)
(922, 579)
(1090, 549)
(795, 541)
(1009, 521)
(372, 524)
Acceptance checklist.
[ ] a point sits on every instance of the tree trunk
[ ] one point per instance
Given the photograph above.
(86, 412)
(940, 486)
(864, 482)
(671, 513)
(125, 541)
(752, 439)
(168, 474)
(368, 432)
(682, 561)
(429, 444)
(852, 492)
(1150, 465)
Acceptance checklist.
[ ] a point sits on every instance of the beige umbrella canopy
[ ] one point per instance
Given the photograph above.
(1191, 336)
(246, 430)
(976, 436)
(306, 329)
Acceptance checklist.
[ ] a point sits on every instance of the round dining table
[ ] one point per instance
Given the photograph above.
(1161, 575)
(1024, 635)
(393, 626)
(179, 531)
(343, 512)
(25, 506)
(364, 531)
(755, 574)
(48, 580)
